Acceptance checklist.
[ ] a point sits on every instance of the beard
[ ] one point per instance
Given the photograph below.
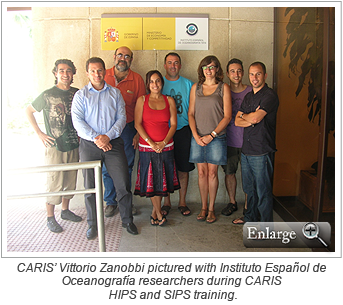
(122, 68)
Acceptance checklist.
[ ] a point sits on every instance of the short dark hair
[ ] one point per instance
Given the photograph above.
(172, 54)
(258, 63)
(206, 61)
(63, 61)
(234, 61)
(148, 77)
(94, 60)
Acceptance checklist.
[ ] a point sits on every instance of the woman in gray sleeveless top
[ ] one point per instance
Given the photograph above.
(209, 113)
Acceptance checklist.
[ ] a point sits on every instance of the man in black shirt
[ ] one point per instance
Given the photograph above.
(59, 139)
(258, 117)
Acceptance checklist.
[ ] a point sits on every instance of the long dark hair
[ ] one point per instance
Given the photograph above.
(148, 77)
(206, 61)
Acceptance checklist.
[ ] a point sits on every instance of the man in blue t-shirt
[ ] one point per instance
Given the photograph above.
(179, 88)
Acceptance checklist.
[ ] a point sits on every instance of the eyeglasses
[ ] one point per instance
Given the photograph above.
(210, 67)
(121, 55)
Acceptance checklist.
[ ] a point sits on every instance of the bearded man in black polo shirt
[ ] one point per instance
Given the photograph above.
(258, 117)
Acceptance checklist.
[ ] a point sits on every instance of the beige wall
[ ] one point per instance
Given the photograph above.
(74, 33)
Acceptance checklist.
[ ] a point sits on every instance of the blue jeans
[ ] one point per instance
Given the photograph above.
(110, 192)
(257, 173)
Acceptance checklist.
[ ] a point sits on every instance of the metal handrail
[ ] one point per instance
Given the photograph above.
(66, 167)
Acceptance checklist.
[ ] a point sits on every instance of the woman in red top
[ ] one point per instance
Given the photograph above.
(156, 121)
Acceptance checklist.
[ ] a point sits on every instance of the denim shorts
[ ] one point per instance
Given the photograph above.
(214, 152)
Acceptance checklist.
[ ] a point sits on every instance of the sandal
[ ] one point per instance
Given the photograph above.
(184, 209)
(165, 210)
(211, 219)
(161, 222)
(202, 217)
(153, 221)
(239, 221)
(230, 208)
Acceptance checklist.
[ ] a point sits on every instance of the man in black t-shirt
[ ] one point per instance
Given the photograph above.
(258, 117)
(59, 139)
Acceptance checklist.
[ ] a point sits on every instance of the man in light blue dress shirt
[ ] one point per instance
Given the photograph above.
(98, 114)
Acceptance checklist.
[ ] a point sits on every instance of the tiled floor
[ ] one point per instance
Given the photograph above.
(27, 230)
(186, 234)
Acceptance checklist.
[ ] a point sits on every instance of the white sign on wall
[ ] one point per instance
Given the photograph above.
(191, 34)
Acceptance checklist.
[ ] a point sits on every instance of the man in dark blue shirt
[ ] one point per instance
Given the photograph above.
(258, 117)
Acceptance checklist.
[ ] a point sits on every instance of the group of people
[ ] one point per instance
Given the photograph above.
(174, 123)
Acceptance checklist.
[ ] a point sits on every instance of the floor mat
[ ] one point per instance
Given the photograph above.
(27, 231)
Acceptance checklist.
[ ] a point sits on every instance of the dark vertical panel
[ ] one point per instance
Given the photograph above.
(323, 132)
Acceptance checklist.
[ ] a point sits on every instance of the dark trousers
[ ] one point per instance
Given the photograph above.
(127, 135)
(116, 164)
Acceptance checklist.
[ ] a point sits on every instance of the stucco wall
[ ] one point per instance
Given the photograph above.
(74, 33)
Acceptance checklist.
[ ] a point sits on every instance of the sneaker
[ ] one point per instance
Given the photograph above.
(69, 215)
(110, 210)
(53, 225)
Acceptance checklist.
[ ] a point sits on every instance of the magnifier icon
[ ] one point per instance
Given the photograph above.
(311, 231)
